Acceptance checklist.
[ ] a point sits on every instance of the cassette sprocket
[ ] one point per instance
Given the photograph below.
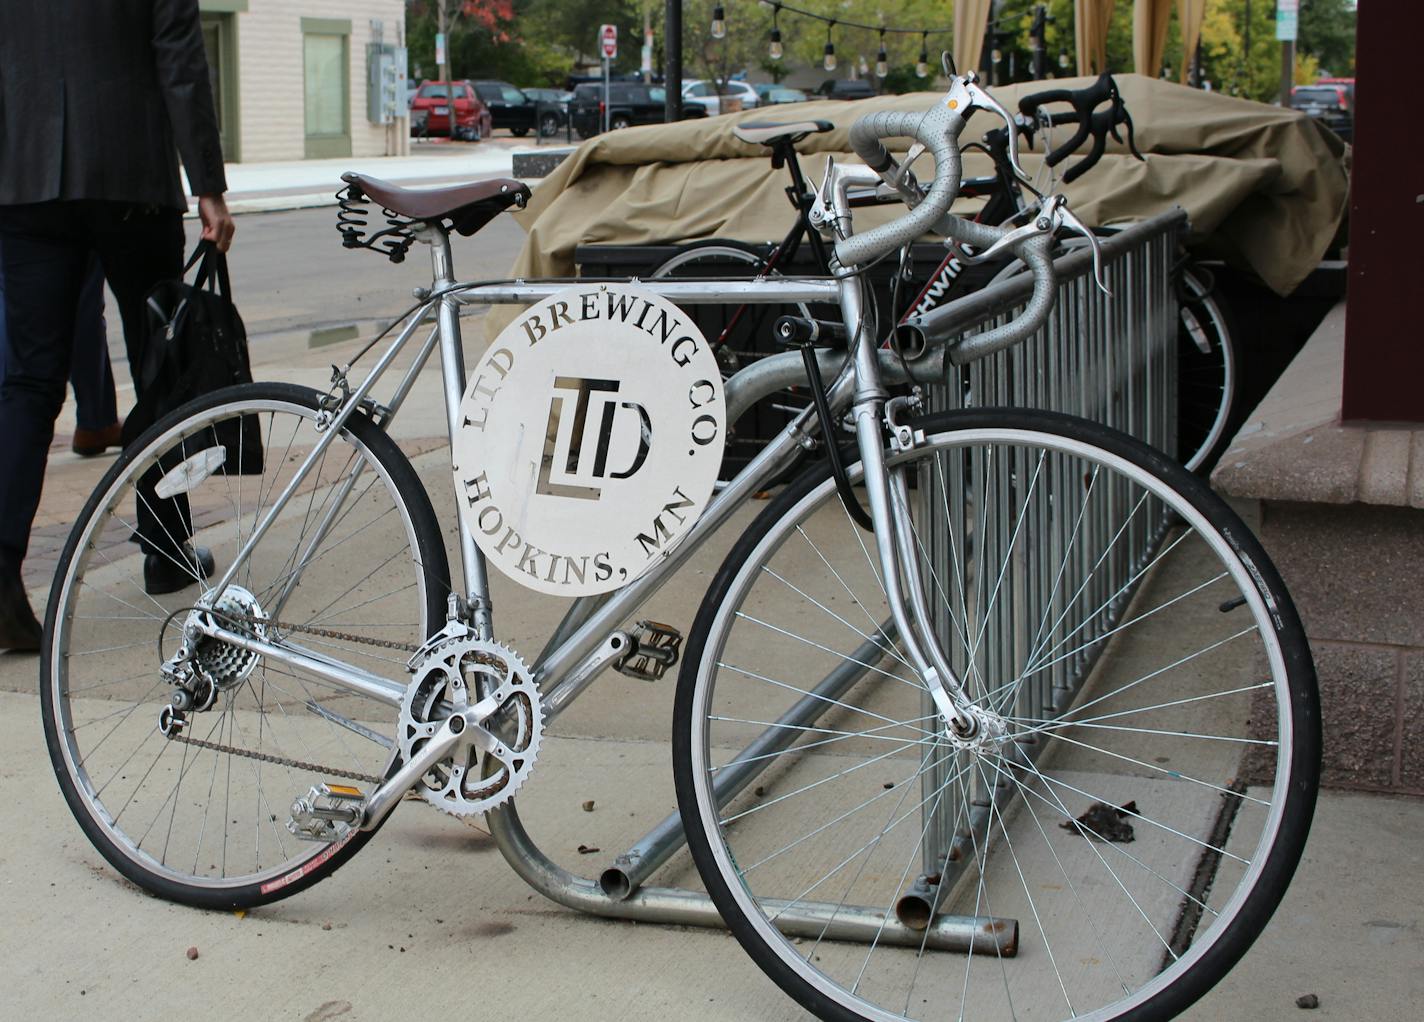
(452, 677)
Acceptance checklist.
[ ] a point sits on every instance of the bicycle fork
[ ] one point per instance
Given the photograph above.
(888, 495)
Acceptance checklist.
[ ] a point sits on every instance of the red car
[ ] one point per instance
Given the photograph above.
(430, 111)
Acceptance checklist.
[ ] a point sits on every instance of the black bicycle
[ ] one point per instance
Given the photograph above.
(1206, 372)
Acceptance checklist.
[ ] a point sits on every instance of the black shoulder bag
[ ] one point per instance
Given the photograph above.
(196, 345)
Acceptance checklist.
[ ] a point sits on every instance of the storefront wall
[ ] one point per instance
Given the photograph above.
(298, 88)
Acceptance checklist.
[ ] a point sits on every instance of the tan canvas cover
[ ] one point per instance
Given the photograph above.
(1265, 187)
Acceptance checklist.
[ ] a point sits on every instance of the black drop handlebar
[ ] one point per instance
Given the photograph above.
(1091, 122)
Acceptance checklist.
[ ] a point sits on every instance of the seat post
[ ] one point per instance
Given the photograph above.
(452, 373)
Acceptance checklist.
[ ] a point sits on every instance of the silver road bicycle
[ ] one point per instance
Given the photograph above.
(990, 714)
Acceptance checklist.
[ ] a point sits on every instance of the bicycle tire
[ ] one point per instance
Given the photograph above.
(99, 603)
(800, 567)
(1206, 373)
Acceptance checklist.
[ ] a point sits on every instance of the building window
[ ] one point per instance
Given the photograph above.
(220, 42)
(327, 86)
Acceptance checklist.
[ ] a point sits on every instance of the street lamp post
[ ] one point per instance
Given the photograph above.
(672, 61)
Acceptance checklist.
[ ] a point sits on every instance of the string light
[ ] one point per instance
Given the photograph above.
(829, 63)
(922, 69)
(882, 59)
(774, 50)
(719, 22)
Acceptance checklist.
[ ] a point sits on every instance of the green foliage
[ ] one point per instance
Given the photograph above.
(543, 39)
(1327, 32)
(538, 45)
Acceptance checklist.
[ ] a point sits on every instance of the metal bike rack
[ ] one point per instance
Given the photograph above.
(1111, 359)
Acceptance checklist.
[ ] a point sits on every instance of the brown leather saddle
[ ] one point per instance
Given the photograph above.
(467, 207)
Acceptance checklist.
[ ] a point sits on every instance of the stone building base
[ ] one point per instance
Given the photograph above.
(1342, 516)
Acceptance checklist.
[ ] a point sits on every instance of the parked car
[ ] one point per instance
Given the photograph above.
(431, 110)
(1329, 103)
(629, 103)
(704, 94)
(509, 107)
(768, 94)
(553, 109)
(845, 88)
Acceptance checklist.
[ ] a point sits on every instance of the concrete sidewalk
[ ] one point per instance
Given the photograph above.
(300, 184)
(431, 892)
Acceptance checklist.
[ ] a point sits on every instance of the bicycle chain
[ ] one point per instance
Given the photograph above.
(267, 757)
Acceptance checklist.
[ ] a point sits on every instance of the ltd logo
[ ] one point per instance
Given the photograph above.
(589, 434)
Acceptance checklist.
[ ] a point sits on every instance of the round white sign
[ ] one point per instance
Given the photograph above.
(592, 433)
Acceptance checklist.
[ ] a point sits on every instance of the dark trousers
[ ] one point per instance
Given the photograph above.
(90, 373)
(46, 250)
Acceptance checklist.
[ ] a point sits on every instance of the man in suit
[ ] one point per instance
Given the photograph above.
(96, 103)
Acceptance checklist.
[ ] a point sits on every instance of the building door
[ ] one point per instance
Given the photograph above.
(326, 72)
(220, 42)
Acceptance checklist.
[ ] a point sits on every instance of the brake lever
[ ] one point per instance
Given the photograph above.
(981, 98)
(1039, 225)
(1062, 216)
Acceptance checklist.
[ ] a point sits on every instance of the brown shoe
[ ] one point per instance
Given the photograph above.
(90, 442)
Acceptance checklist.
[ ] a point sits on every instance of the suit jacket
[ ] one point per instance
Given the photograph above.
(99, 97)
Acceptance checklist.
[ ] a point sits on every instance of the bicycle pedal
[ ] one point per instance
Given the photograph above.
(327, 812)
(656, 648)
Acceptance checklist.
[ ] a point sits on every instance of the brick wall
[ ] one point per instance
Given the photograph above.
(270, 79)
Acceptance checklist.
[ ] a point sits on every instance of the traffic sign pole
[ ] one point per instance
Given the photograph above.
(608, 43)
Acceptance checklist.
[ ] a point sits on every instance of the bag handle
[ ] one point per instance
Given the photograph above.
(212, 270)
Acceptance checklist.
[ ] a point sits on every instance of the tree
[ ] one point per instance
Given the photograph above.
(1327, 33)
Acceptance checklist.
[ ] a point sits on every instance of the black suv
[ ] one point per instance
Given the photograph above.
(508, 106)
(629, 103)
(840, 88)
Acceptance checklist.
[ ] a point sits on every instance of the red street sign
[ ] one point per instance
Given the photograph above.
(608, 40)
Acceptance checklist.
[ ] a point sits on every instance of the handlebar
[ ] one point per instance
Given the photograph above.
(1099, 125)
(938, 130)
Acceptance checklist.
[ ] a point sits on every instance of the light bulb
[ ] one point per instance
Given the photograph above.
(719, 23)
(864, 66)
(1063, 59)
(830, 62)
(997, 55)
(882, 64)
(922, 69)
(775, 50)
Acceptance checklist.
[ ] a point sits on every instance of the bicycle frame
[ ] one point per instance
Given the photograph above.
(583, 648)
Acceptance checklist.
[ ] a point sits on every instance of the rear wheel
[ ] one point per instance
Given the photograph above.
(1206, 371)
(548, 125)
(740, 335)
(353, 567)
(619, 122)
(1139, 789)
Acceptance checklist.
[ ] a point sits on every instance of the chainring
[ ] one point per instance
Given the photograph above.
(449, 678)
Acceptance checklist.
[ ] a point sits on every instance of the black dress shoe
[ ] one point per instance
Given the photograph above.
(19, 630)
(163, 573)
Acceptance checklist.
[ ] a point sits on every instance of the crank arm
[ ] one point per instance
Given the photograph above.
(393, 789)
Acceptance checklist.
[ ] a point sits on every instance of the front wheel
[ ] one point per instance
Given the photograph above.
(353, 567)
(1134, 798)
